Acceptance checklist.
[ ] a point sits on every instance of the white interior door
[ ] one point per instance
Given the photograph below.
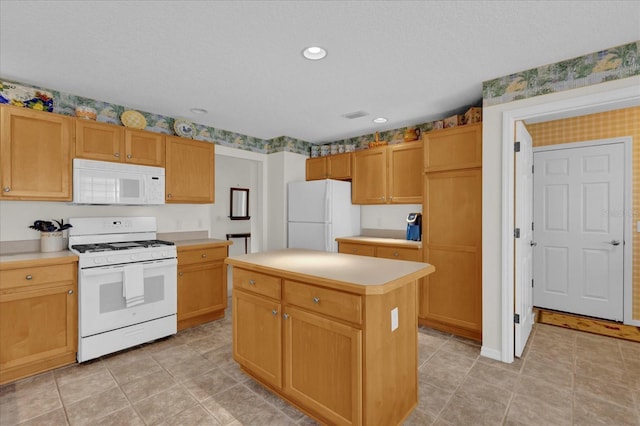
(523, 244)
(579, 225)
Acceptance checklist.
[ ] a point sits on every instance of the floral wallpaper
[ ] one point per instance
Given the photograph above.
(610, 64)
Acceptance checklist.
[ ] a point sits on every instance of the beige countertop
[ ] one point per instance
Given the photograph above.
(202, 241)
(391, 242)
(360, 274)
(52, 258)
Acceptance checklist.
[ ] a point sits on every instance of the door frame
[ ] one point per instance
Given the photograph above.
(627, 274)
(588, 104)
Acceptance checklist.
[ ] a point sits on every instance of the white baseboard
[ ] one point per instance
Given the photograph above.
(491, 353)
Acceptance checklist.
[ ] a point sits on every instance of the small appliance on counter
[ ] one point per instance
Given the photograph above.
(414, 226)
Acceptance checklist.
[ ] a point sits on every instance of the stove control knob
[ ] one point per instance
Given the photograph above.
(134, 257)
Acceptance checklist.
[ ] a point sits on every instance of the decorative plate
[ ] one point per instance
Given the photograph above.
(27, 97)
(184, 128)
(133, 119)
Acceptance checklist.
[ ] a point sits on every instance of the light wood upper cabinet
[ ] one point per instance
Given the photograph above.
(454, 148)
(143, 147)
(36, 155)
(99, 141)
(38, 317)
(405, 173)
(388, 175)
(330, 167)
(369, 183)
(108, 142)
(190, 171)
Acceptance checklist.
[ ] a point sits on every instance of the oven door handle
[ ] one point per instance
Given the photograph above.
(101, 270)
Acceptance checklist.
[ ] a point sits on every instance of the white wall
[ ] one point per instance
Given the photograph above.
(283, 167)
(16, 216)
(387, 216)
(492, 218)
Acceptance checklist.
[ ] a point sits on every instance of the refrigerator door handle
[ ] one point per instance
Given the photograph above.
(327, 202)
(327, 238)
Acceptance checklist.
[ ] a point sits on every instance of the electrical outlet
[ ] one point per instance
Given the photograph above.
(394, 319)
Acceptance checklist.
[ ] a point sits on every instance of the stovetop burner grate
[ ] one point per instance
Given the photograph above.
(125, 245)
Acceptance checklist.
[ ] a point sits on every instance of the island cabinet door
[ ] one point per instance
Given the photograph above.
(257, 336)
(323, 366)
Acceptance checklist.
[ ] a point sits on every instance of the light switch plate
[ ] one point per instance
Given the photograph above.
(394, 319)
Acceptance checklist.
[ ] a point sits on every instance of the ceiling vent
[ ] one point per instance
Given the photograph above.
(356, 114)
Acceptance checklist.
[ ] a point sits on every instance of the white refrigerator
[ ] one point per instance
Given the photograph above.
(319, 212)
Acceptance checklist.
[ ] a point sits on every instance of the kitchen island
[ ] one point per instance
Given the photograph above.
(334, 334)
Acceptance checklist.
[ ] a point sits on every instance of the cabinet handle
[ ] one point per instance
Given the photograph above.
(204, 254)
(29, 277)
(286, 316)
(117, 155)
(252, 282)
(396, 254)
(129, 156)
(169, 195)
(274, 312)
(6, 189)
(316, 300)
(180, 273)
(70, 292)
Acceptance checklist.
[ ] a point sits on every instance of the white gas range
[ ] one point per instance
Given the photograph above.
(127, 283)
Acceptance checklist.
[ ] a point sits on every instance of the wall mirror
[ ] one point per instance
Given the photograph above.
(239, 204)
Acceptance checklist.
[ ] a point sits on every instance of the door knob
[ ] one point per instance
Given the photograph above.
(533, 244)
(614, 242)
(316, 300)
(129, 156)
(274, 312)
(117, 155)
(6, 189)
(286, 316)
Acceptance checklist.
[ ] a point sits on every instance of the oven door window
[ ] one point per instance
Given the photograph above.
(102, 305)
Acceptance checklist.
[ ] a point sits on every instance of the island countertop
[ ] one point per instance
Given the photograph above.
(358, 274)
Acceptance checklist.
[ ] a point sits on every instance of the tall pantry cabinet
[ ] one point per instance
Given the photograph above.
(451, 298)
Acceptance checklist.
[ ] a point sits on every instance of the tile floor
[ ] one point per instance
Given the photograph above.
(565, 377)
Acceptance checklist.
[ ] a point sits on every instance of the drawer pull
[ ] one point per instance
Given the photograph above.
(252, 282)
(204, 254)
(316, 300)
(117, 155)
(396, 254)
(29, 277)
(70, 292)
(129, 156)
(6, 189)
(180, 273)
(274, 312)
(286, 316)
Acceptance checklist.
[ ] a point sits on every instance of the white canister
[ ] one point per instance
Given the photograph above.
(340, 148)
(51, 241)
(334, 149)
(324, 150)
(315, 151)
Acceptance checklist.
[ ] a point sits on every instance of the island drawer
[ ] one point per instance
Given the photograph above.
(188, 256)
(400, 253)
(359, 249)
(36, 275)
(326, 301)
(256, 282)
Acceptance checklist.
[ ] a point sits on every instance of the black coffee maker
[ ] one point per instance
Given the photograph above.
(414, 226)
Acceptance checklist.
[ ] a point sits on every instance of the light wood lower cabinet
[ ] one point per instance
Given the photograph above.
(202, 284)
(38, 317)
(320, 348)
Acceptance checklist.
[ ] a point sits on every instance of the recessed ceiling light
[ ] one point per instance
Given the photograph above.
(198, 110)
(379, 120)
(314, 53)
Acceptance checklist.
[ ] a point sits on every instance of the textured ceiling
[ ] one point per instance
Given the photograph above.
(409, 61)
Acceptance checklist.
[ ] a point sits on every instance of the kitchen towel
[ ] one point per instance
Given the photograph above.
(133, 284)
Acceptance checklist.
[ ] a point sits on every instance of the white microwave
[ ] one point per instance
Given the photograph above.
(102, 182)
